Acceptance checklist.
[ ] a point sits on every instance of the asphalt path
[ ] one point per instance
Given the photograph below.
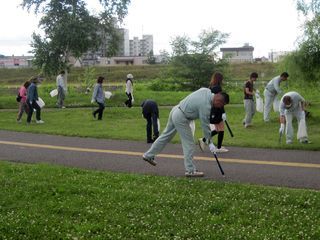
(285, 168)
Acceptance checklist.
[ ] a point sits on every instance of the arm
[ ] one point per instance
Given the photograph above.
(276, 85)
(94, 93)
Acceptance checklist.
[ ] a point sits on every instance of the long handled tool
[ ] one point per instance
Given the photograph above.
(231, 134)
(216, 157)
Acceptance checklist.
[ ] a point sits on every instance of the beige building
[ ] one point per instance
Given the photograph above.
(238, 54)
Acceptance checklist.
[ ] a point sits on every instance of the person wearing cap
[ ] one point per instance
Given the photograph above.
(292, 104)
(271, 93)
(129, 90)
(98, 96)
(32, 98)
(150, 112)
(196, 105)
(248, 101)
(62, 89)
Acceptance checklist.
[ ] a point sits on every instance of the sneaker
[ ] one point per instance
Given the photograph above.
(222, 150)
(289, 142)
(19, 121)
(39, 121)
(194, 174)
(93, 114)
(305, 141)
(202, 144)
(149, 160)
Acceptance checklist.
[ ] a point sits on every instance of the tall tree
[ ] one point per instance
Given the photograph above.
(195, 61)
(71, 30)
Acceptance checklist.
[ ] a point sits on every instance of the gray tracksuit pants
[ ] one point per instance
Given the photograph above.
(299, 114)
(269, 98)
(177, 122)
(250, 110)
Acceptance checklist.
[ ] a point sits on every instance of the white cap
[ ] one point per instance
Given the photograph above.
(130, 76)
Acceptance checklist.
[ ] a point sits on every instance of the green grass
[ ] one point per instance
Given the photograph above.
(124, 123)
(40, 201)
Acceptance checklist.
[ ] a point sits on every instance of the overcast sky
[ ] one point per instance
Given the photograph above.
(264, 24)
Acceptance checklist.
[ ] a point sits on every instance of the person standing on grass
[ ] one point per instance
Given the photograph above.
(271, 92)
(196, 105)
(23, 106)
(150, 112)
(292, 104)
(98, 96)
(249, 105)
(217, 116)
(62, 89)
(129, 90)
(32, 98)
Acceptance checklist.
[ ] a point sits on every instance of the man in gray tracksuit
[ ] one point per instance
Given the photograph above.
(197, 105)
(292, 105)
(271, 92)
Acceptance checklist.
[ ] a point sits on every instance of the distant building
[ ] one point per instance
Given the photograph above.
(277, 56)
(15, 61)
(238, 54)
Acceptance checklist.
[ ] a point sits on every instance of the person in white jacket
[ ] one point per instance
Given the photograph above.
(271, 92)
(129, 90)
(292, 104)
(62, 89)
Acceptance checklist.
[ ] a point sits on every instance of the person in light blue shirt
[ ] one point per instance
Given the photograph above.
(271, 92)
(98, 96)
(62, 89)
(196, 105)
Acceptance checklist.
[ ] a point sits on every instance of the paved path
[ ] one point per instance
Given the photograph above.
(290, 168)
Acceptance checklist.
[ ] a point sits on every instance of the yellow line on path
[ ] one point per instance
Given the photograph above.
(120, 152)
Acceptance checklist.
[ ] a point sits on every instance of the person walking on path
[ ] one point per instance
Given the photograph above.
(32, 98)
(23, 106)
(271, 93)
(196, 105)
(98, 96)
(249, 105)
(150, 112)
(292, 104)
(129, 90)
(62, 89)
(217, 116)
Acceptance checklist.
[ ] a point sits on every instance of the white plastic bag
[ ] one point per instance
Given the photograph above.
(107, 94)
(54, 93)
(276, 104)
(192, 125)
(259, 104)
(302, 130)
(40, 102)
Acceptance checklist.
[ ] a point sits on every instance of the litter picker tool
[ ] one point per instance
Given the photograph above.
(231, 134)
(216, 157)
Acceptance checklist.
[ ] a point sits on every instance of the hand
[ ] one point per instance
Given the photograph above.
(257, 91)
(281, 129)
(92, 100)
(257, 95)
(212, 148)
(224, 116)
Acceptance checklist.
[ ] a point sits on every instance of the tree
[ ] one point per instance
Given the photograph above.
(151, 58)
(304, 64)
(195, 61)
(70, 30)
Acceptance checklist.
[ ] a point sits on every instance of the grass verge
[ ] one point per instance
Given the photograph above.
(40, 201)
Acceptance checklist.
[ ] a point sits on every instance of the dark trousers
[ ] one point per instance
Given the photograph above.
(129, 101)
(152, 121)
(32, 106)
(99, 111)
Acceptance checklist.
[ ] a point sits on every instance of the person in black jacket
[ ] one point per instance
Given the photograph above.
(150, 112)
(32, 98)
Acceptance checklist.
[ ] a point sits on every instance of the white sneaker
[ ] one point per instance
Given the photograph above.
(194, 173)
(222, 150)
(39, 121)
(202, 144)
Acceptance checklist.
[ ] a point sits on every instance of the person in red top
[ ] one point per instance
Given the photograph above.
(23, 106)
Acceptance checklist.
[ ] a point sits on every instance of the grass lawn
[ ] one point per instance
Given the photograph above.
(124, 123)
(39, 201)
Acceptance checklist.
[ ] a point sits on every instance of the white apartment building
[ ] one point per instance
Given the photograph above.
(141, 47)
